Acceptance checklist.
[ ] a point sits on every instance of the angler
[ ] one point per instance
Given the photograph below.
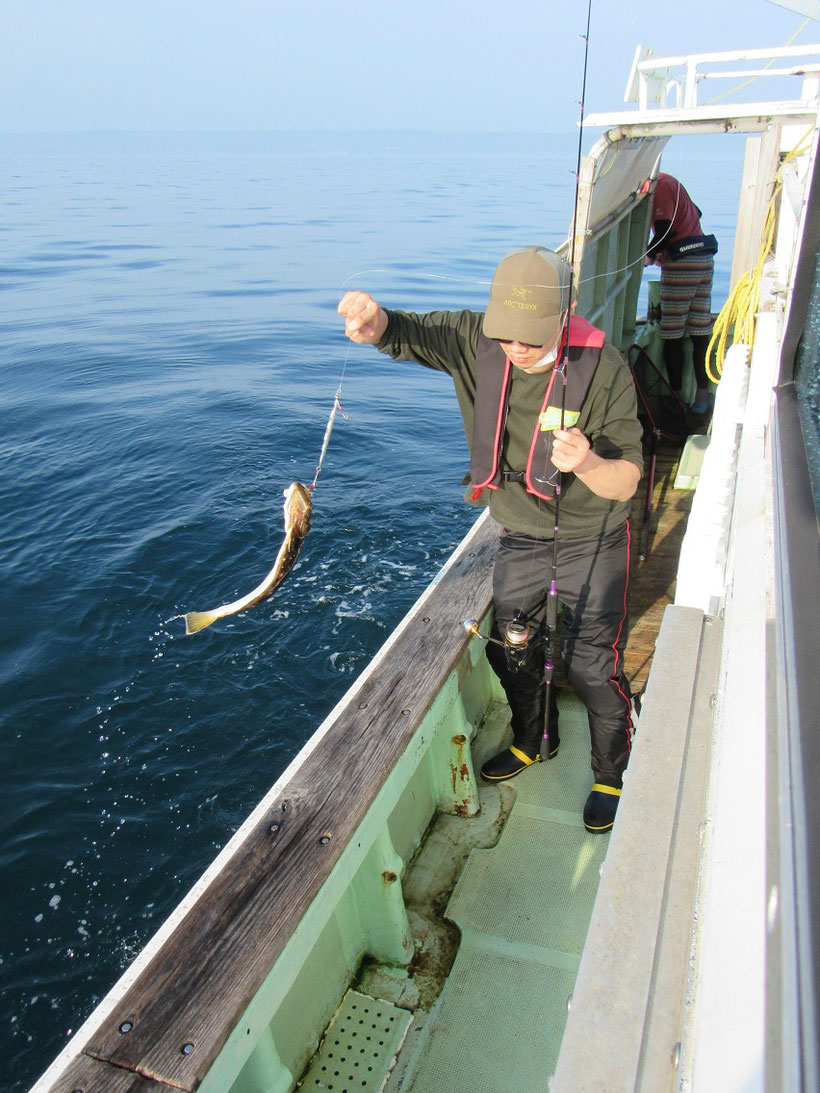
(508, 367)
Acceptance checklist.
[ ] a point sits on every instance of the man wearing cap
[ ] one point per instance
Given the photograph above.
(507, 368)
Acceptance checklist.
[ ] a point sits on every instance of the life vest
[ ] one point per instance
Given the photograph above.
(493, 372)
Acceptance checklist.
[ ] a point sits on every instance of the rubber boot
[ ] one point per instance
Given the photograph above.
(528, 727)
(600, 808)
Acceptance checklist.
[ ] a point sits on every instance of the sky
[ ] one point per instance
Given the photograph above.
(446, 65)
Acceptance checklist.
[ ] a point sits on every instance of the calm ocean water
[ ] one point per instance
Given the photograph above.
(170, 354)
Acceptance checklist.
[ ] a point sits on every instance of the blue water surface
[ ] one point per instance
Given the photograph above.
(170, 353)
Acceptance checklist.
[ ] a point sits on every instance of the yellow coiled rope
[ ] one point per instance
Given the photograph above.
(739, 313)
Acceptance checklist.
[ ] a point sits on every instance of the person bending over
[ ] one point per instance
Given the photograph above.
(686, 258)
(506, 364)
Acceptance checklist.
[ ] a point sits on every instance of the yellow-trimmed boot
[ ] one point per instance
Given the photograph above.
(510, 762)
(507, 764)
(600, 808)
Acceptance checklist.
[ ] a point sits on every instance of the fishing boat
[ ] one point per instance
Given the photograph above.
(382, 920)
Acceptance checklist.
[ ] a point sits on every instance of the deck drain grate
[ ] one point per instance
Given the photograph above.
(359, 1047)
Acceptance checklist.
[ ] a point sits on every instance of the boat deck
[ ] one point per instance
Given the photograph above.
(521, 904)
(653, 580)
(522, 908)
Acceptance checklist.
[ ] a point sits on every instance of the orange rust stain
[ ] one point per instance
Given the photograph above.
(460, 770)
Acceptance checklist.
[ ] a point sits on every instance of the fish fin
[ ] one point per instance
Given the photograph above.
(198, 620)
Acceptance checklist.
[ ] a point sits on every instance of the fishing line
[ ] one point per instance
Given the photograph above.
(480, 283)
(640, 259)
(335, 409)
(421, 274)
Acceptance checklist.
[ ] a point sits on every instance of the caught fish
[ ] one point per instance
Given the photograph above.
(297, 507)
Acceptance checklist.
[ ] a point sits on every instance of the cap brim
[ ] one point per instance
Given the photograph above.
(499, 325)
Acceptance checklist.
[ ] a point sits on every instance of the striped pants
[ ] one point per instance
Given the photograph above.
(686, 296)
(592, 579)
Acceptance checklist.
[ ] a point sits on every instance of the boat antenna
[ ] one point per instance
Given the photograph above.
(552, 596)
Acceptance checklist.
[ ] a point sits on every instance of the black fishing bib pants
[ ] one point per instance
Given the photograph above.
(592, 580)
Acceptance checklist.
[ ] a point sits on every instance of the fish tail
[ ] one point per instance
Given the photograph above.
(198, 620)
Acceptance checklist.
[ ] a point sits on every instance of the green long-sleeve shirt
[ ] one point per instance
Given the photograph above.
(447, 341)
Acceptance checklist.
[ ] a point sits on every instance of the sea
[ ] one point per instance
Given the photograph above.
(170, 352)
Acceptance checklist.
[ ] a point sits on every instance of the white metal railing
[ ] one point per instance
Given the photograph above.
(661, 79)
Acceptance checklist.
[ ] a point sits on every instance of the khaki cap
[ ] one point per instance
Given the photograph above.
(529, 297)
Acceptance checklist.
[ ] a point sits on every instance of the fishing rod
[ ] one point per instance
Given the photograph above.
(517, 636)
(552, 595)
